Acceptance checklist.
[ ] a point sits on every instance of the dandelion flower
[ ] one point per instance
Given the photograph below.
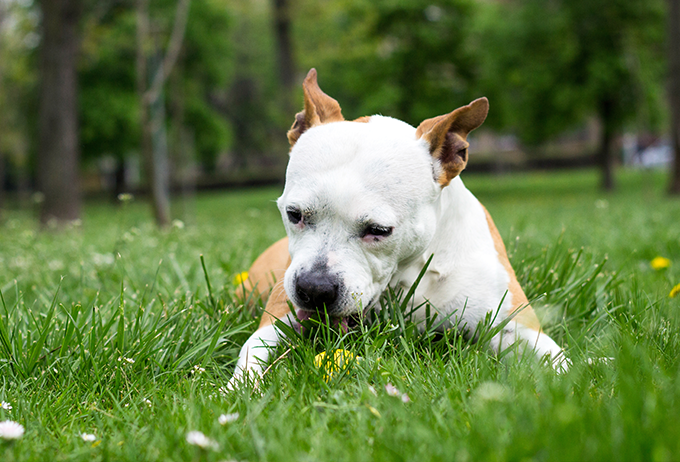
(228, 418)
(6, 406)
(197, 438)
(89, 437)
(11, 430)
(675, 291)
(659, 263)
(240, 278)
(341, 359)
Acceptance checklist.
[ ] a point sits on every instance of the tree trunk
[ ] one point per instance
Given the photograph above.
(152, 113)
(606, 151)
(159, 195)
(58, 153)
(2, 183)
(674, 88)
(284, 53)
(119, 183)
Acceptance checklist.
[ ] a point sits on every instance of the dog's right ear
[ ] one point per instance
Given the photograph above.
(319, 109)
(446, 137)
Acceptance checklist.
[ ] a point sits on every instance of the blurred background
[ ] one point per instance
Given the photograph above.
(162, 98)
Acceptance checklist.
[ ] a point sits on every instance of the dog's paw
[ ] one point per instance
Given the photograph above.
(250, 377)
(560, 363)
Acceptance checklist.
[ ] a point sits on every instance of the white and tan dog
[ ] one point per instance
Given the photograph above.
(365, 204)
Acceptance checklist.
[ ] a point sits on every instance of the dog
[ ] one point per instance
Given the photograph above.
(365, 204)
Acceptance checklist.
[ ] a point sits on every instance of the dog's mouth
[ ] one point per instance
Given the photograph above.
(344, 323)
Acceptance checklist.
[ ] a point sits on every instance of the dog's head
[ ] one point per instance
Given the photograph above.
(361, 197)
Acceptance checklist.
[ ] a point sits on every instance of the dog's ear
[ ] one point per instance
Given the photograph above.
(319, 109)
(446, 136)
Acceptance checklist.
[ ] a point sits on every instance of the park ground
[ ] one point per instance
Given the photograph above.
(116, 339)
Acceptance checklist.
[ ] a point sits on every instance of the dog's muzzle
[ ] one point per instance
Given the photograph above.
(317, 291)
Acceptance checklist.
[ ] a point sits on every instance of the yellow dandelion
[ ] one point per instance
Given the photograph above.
(659, 263)
(340, 362)
(240, 278)
(675, 291)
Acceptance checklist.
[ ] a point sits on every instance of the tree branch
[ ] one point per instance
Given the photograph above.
(174, 47)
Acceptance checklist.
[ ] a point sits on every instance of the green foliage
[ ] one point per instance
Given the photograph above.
(405, 59)
(97, 336)
(18, 80)
(109, 104)
(549, 65)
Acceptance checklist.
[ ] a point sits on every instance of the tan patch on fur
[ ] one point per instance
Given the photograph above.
(526, 316)
(277, 305)
(363, 120)
(266, 271)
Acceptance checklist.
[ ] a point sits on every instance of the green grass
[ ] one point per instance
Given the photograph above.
(109, 329)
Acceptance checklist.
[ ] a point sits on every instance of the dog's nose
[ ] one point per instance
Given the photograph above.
(316, 290)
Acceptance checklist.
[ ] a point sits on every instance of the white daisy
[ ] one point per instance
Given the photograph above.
(6, 406)
(228, 418)
(11, 430)
(391, 390)
(197, 438)
(88, 437)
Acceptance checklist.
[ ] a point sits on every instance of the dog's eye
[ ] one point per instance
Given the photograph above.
(377, 230)
(294, 215)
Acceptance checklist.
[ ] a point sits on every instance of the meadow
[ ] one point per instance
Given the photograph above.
(116, 339)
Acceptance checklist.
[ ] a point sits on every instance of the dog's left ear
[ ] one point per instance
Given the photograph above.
(446, 136)
(319, 109)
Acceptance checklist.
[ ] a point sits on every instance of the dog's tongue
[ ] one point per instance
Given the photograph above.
(304, 315)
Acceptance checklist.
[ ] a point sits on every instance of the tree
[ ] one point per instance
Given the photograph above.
(58, 153)
(674, 88)
(284, 52)
(154, 142)
(553, 64)
(609, 33)
(109, 119)
(407, 59)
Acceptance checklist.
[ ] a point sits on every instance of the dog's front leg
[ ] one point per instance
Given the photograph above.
(254, 355)
(535, 339)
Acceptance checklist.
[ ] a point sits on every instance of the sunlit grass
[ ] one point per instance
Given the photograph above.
(114, 347)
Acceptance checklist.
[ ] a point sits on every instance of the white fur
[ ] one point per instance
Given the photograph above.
(344, 175)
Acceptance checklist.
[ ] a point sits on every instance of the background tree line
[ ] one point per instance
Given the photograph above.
(179, 84)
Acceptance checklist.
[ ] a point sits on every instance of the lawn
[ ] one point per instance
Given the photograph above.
(116, 340)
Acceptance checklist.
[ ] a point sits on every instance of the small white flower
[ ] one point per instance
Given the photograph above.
(89, 437)
(199, 439)
(405, 398)
(228, 418)
(491, 391)
(125, 197)
(391, 390)
(6, 406)
(179, 224)
(11, 430)
(147, 401)
(198, 370)
(127, 360)
(372, 390)
(105, 259)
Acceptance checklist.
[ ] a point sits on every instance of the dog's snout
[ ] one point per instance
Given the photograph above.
(316, 290)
